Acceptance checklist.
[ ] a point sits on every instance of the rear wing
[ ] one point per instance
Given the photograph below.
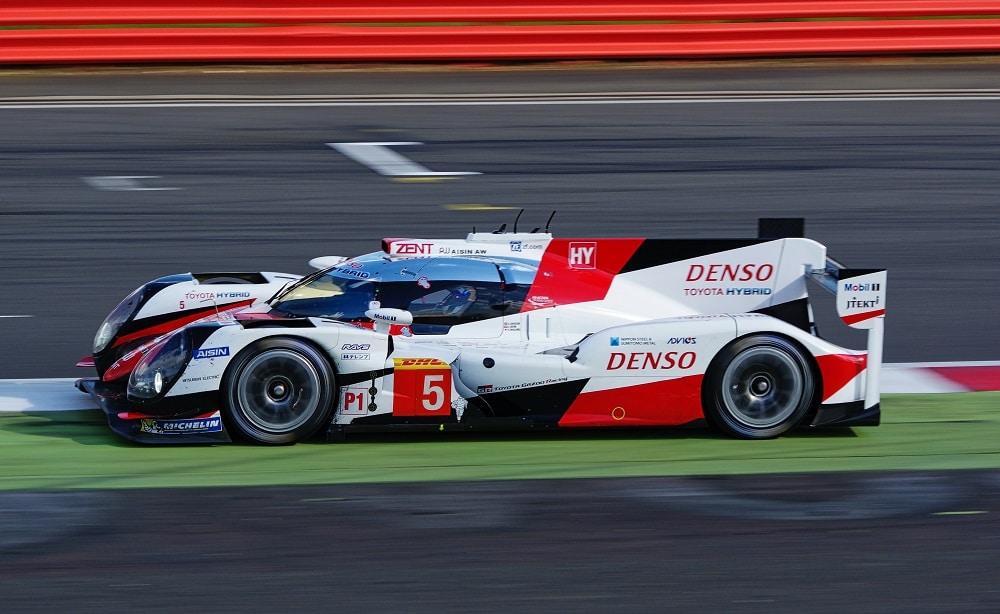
(860, 304)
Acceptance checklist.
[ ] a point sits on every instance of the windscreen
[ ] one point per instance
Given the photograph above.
(332, 294)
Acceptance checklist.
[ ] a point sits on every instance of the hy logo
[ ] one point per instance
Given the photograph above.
(583, 255)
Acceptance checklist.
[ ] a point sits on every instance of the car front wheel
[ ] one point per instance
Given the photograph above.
(278, 391)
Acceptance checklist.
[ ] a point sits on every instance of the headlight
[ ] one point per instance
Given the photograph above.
(157, 371)
(120, 315)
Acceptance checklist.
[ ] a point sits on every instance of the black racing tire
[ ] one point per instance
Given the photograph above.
(277, 391)
(759, 387)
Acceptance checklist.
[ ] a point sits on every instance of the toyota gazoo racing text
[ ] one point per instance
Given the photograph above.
(497, 330)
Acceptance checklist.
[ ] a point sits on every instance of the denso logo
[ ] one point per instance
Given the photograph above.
(730, 272)
(211, 352)
(643, 361)
(412, 248)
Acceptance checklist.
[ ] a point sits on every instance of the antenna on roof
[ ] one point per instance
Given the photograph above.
(500, 231)
(517, 218)
(550, 220)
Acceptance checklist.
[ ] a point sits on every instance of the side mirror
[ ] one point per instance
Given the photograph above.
(386, 318)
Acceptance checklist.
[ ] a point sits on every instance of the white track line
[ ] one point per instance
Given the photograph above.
(31, 395)
(384, 161)
(38, 395)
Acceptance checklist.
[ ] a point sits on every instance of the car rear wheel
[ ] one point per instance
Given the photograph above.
(758, 387)
(278, 391)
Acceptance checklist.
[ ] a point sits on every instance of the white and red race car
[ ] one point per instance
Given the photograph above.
(496, 331)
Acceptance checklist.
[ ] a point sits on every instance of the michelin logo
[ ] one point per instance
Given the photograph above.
(174, 427)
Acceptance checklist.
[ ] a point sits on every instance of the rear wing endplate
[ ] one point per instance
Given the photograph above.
(860, 304)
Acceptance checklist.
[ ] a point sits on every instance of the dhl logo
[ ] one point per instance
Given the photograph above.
(419, 363)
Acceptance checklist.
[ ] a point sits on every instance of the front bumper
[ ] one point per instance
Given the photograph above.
(127, 422)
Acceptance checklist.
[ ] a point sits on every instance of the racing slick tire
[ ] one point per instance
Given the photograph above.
(278, 391)
(758, 387)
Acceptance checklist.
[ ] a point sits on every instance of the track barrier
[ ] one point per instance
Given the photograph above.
(95, 12)
(96, 31)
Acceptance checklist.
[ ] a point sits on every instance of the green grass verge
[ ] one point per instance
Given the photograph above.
(76, 450)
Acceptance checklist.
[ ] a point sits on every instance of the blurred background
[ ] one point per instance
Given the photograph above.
(141, 139)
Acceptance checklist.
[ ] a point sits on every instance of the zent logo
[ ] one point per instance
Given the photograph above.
(412, 248)
(583, 255)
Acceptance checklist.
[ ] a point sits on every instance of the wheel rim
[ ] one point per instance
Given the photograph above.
(763, 387)
(278, 390)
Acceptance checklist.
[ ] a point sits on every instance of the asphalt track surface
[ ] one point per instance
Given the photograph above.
(906, 181)
(902, 175)
(868, 542)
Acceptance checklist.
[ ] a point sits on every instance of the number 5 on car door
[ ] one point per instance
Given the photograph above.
(422, 387)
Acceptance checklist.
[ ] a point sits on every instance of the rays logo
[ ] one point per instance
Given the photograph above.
(355, 347)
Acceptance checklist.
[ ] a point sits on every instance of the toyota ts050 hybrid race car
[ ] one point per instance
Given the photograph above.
(497, 330)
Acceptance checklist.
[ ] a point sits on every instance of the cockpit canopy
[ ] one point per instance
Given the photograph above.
(439, 292)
